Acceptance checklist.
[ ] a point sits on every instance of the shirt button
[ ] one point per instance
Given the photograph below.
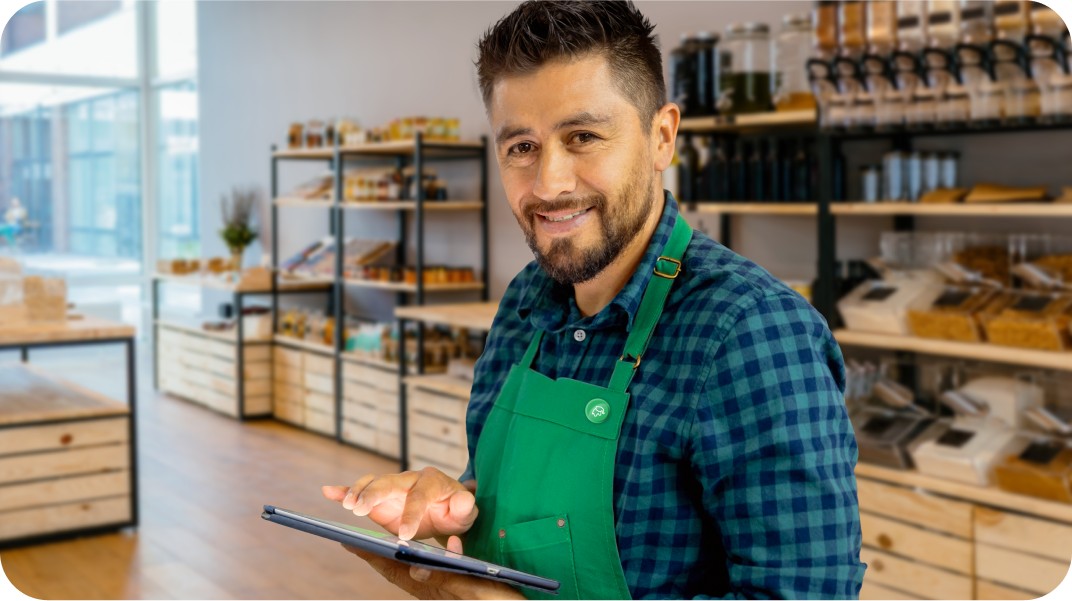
(502, 533)
(579, 335)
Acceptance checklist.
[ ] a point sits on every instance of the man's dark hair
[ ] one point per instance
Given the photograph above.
(541, 31)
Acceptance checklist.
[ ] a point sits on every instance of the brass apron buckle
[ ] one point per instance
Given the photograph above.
(635, 365)
(669, 276)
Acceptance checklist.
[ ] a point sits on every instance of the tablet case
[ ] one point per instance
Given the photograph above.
(402, 557)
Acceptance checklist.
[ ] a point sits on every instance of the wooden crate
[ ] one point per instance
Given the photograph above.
(64, 456)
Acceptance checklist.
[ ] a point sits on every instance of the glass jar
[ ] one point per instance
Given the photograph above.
(852, 28)
(683, 79)
(745, 86)
(314, 134)
(706, 57)
(792, 47)
(295, 135)
(881, 26)
(824, 29)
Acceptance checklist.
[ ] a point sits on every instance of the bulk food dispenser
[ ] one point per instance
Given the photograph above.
(1008, 58)
(973, 63)
(943, 31)
(1039, 464)
(1048, 63)
(889, 418)
(985, 409)
(875, 65)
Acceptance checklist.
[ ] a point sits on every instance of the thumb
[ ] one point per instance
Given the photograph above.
(463, 507)
(335, 493)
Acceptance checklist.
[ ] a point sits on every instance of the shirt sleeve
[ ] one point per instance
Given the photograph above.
(773, 448)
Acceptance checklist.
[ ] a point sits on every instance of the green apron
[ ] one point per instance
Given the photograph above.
(545, 462)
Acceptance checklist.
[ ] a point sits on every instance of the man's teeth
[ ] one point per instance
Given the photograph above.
(566, 217)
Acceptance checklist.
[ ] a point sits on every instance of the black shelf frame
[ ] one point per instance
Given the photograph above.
(423, 152)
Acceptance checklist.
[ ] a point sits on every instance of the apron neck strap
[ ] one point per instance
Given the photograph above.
(530, 353)
(667, 268)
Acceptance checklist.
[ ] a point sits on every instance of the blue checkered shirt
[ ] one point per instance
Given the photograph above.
(734, 473)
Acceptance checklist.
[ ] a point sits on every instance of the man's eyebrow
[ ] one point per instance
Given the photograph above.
(508, 132)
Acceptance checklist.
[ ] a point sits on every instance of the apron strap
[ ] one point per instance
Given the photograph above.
(530, 353)
(667, 268)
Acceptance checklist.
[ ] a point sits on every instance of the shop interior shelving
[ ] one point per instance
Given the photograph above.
(415, 153)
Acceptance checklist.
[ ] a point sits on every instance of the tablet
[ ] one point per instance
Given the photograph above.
(410, 552)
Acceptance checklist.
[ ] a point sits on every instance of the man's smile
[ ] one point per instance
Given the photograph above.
(563, 222)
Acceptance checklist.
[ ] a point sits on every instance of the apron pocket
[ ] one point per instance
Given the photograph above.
(542, 547)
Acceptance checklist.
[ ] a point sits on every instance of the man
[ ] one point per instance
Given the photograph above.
(653, 415)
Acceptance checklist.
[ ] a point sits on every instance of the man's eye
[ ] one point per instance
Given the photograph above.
(523, 148)
(585, 137)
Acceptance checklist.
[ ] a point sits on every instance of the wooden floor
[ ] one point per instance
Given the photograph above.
(203, 480)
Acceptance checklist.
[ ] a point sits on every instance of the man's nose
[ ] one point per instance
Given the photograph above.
(555, 176)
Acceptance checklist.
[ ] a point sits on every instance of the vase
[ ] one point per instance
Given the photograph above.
(236, 259)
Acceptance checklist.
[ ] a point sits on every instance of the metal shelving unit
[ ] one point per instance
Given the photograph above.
(417, 153)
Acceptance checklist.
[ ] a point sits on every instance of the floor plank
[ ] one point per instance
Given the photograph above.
(203, 480)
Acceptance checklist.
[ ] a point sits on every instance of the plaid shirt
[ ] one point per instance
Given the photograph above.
(734, 473)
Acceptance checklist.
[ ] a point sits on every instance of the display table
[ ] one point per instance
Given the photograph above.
(67, 459)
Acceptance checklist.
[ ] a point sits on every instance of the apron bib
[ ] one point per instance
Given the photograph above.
(545, 462)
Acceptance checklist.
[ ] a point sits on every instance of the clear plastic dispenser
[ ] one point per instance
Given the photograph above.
(973, 63)
(1040, 462)
(1046, 57)
(966, 447)
(1008, 58)
(890, 419)
(1038, 318)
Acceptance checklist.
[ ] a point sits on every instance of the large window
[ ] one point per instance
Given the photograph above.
(83, 126)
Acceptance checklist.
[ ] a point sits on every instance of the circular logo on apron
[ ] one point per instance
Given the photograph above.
(597, 411)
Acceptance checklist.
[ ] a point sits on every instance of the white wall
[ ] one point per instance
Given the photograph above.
(265, 64)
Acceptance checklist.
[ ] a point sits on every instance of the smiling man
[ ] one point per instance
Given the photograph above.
(653, 415)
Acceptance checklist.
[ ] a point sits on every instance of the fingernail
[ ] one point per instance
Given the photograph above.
(421, 574)
(406, 532)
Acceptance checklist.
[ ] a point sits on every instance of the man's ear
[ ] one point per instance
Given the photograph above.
(664, 135)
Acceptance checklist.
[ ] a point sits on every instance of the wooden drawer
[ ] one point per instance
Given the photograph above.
(257, 353)
(360, 412)
(64, 490)
(36, 466)
(361, 393)
(386, 401)
(320, 402)
(912, 577)
(288, 393)
(1022, 533)
(288, 357)
(320, 364)
(258, 405)
(985, 589)
(388, 444)
(219, 348)
(316, 421)
(359, 434)
(64, 435)
(319, 383)
(386, 381)
(916, 543)
(446, 407)
(1029, 572)
(907, 505)
(293, 413)
(356, 372)
(876, 592)
(419, 463)
(289, 375)
(58, 518)
(447, 431)
(387, 422)
(446, 454)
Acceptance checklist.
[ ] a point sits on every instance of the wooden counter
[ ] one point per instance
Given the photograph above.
(87, 328)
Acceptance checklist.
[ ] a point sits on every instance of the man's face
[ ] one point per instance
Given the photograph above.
(576, 164)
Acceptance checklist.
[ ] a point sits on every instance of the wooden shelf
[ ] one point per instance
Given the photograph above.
(218, 284)
(87, 328)
(403, 287)
(755, 121)
(1023, 209)
(966, 350)
(755, 208)
(973, 494)
(316, 347)
(384, 205)
(451, 385)
(30, 395)
(192, 327)
(396, 147)
(475, 316)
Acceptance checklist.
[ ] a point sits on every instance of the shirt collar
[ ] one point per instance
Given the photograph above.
(550, 306)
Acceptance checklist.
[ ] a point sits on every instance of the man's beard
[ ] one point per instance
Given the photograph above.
(564, 261)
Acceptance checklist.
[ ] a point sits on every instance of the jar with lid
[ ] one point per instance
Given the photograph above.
(295, 135)
(683, 78)
(746, 84)
(792, 47)
(824, 29)
(706, 73)
(314, 134)
(852, 28)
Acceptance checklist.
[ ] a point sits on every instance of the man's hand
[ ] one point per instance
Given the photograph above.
(411, 505)
(423, 583)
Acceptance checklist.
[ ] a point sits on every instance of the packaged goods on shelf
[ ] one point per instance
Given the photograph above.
(433, 274)
(366, 339)
(882, 306)
(320, 134)
(12, 304)
(889, 418)
(1000, 193)
(1030, 319)
(319, 188)
(954, 314)
(318, 259)
(372, 184)
(1039, 464)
